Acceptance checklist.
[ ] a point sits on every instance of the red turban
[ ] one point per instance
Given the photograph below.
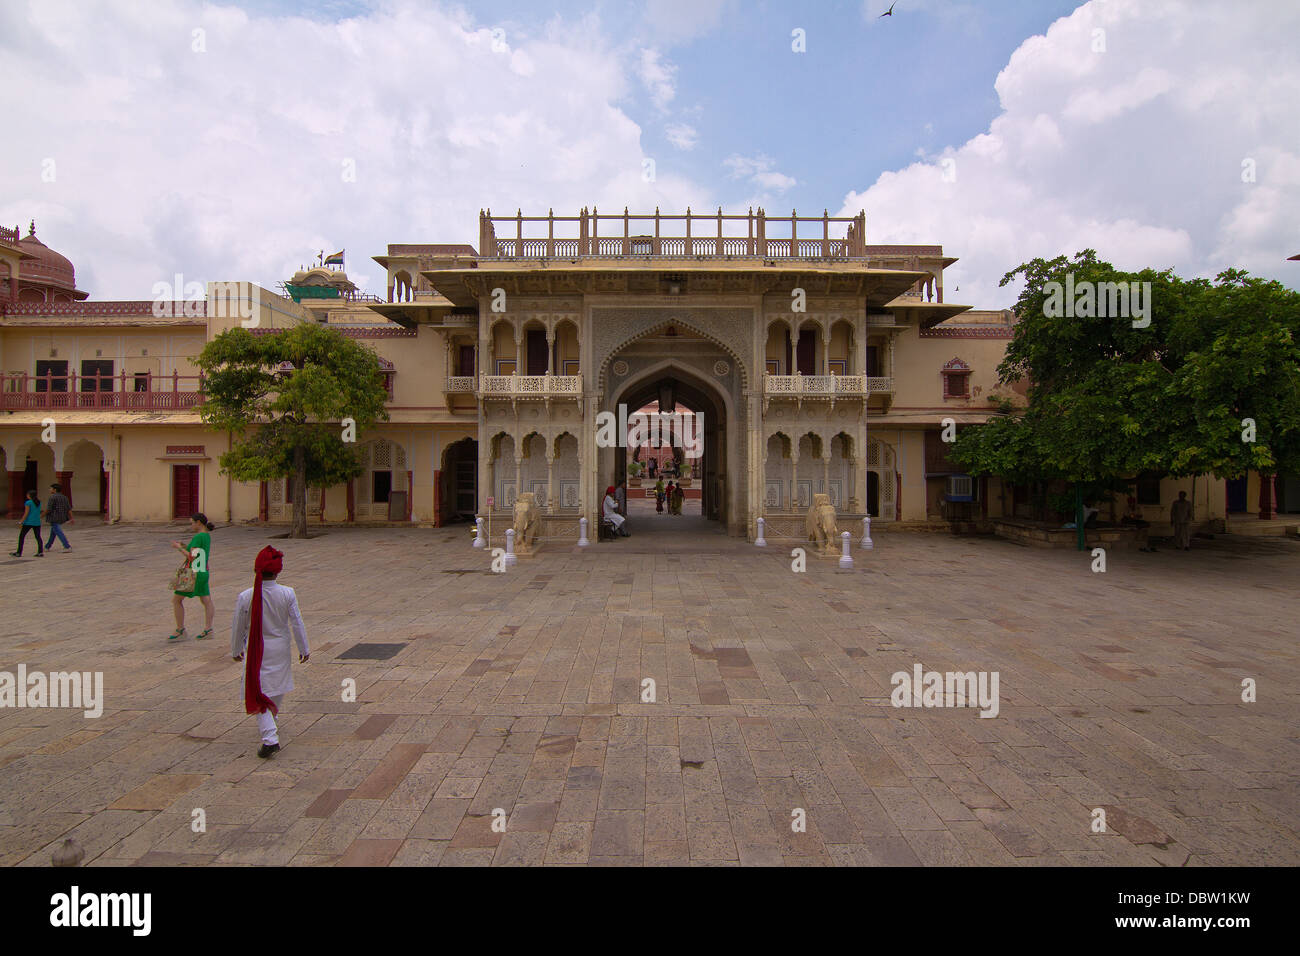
(255, 702)
(610, 491)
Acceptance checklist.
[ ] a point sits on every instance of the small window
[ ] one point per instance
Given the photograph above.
(1148, 488)
(956, 379)
(96, 375)
(142, 381)
(52, 376)
(961, 488)
(956, 384)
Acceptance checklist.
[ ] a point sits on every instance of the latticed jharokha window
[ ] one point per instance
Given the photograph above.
(956, 379)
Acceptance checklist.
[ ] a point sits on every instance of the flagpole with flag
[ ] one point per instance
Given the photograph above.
(336, 259)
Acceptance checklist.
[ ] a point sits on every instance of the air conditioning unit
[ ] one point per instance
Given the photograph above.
(961, 488)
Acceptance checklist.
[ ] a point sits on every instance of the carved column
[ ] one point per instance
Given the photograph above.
(550, 352)
(826, 476)
(826, 348)
(550, 479)
(794, 474)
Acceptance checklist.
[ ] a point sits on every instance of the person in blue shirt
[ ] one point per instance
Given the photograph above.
(32, 523)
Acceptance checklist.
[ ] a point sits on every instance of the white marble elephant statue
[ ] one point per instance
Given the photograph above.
(527, 521)
(821, 524)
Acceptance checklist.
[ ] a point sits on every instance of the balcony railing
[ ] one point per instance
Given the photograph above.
(530, 386)
(143, 392)
(826, 386)
(461, 383)
(710, 235)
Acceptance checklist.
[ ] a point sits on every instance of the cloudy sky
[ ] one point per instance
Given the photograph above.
(236, 141)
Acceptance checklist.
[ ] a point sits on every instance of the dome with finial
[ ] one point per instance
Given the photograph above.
(47, 268)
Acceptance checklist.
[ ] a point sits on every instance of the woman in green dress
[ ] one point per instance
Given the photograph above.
(197, 553)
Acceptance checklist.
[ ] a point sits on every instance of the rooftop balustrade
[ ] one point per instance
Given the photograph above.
(692, 236)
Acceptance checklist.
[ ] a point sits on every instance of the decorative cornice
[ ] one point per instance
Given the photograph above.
(353, 332)
(979, 332)
(198, 308)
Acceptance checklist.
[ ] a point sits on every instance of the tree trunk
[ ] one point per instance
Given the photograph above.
(298, 529)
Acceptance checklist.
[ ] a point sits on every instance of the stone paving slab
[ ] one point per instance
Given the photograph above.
(509, 728)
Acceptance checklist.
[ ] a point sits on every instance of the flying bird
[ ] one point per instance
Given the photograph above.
(890, 11)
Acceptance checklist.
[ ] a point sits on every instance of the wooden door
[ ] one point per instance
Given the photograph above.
(805, 356)
(185, 491)
(536, 355)
(466, 360)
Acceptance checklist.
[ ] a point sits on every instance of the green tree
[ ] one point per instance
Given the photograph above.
(284, 395)
(1108, 400)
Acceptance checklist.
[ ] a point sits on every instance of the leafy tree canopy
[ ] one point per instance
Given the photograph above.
(283, 395)
(1108, 400)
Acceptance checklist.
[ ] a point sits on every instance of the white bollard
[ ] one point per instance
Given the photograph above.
(582, 533)
(845, 560)
(479, 540)
(760, 541)
(511, 560)
(867, 544)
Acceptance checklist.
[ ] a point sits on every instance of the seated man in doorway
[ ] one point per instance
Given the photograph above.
(610, 515)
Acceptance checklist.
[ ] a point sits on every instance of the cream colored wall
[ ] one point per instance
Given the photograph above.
(167, 350)
(911, 466)
(917, 364)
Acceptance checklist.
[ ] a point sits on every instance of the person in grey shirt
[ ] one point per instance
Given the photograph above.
(58, 512)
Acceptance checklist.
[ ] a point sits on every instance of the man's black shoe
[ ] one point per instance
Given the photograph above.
(267, 749)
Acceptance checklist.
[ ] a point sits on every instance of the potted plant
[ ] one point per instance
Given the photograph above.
(634, 469)
(685, 479)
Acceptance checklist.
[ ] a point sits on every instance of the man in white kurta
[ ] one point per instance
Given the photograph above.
(280, 618)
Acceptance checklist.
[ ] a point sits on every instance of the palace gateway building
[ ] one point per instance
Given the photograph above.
(813, 363)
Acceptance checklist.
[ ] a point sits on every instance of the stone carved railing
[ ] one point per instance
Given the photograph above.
(825, 386)
(461, 383)
(530, 386)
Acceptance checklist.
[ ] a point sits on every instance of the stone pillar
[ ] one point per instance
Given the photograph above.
(826, 476)
(550, 359)
(826, 350)
(519, 473)
(794, 474)
(550, 480)
(520, 367)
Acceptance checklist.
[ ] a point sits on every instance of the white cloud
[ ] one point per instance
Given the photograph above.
(682, 135)
(229, 164)
(1135, 152)
(758, 170)
(657, 76)
(679, 21)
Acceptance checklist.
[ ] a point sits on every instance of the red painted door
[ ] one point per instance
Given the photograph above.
(185, 490)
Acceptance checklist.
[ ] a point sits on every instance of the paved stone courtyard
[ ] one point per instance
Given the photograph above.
(522, 693)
